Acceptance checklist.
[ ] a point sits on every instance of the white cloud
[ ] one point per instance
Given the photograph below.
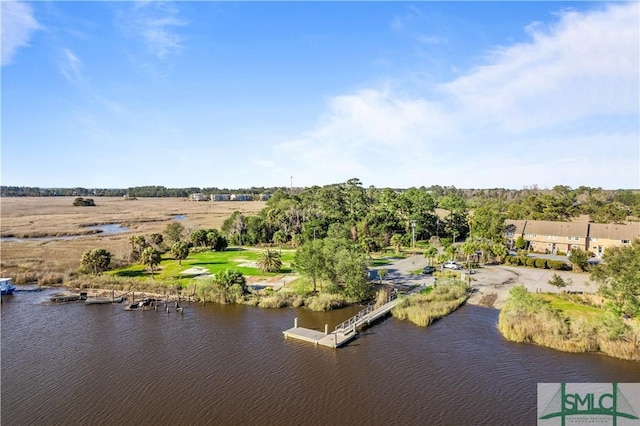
(156, 23)
(71, 66)
(585, 64)
(18, 24)
(569, 94)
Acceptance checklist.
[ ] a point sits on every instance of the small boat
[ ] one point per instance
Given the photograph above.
(7, 286)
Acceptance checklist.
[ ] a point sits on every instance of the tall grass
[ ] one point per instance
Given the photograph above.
(274, 301)
(44, 278)
(325, 302)
(423, 309)
(530, 319)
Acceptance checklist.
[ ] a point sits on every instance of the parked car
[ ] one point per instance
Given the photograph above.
(429, 270)
(452, 265)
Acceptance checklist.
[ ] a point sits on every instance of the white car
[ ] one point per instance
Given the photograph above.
(452, 265)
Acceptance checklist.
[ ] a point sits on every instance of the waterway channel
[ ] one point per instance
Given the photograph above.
(230, 365)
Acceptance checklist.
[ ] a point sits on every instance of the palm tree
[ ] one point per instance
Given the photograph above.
(180, 250)
(269, 261)
(151, 257)
(430, 252)
(96, 260)
(279, 237)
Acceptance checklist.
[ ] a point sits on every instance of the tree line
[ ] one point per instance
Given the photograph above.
(135, 191)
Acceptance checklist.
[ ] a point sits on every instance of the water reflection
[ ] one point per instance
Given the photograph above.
(106, 229)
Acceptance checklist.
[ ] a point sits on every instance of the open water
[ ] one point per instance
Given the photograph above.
(230, 365)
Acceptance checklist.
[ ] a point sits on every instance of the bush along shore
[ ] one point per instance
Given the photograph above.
(432, 303)
(568, 323)
(226, 287)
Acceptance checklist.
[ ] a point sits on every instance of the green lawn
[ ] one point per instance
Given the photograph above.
(571, 309)
(235, 258)
(380, 262)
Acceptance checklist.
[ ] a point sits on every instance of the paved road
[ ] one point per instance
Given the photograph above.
(399, 272)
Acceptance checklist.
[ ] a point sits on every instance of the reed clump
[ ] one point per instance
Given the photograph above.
(42, 278)
(423, 309)
(530, 319)
(274, 301)
(111, 282)
(325, 302)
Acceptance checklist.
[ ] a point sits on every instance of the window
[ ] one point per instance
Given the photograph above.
(593, 239)
(569, 238)
(624, 241)
(576, 238)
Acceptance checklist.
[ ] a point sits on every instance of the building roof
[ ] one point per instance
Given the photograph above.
(560, 229)
(515, 227)
(613, 231)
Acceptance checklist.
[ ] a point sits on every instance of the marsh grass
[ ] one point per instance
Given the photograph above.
(42, 278)
(424, 308)
(558, 323)
(277, 300)
(325, 302)
(55, 216)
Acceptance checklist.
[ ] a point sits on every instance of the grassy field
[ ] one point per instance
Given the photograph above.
(239, 259)
(56, 216)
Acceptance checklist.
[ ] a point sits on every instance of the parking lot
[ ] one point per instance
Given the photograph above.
(491, 283)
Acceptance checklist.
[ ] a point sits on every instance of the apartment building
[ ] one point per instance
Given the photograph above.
(552, 237)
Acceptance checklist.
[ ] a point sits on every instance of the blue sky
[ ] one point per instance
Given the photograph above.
(398, 94)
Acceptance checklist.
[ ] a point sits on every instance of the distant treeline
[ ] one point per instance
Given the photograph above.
(136, 191)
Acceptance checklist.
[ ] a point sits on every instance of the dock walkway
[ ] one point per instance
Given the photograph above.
(344, 332)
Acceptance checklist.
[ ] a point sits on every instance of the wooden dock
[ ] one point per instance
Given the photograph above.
(331, 340)
(344, 332)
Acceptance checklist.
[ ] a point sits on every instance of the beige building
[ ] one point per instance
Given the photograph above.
(606, 235)
(552, 237)
(546, 236)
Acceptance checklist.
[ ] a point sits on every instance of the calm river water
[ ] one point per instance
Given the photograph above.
(230, 365)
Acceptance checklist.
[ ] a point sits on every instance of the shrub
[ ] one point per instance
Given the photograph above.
(83, 202)
(541, 263)
(531, 262)
(558, 265)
